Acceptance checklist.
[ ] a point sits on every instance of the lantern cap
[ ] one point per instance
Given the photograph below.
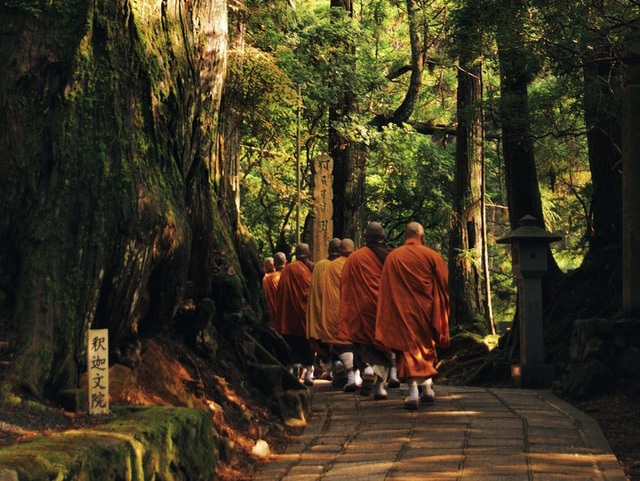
(529, 231)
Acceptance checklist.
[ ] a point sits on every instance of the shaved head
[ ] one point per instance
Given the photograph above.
(279, 260)
(374, 232)
(346, 247)
(268, 265)
(334, 246)
(414, 231)
(302, 251)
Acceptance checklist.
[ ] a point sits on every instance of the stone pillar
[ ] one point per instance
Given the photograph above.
(631, 180)
(529, 259)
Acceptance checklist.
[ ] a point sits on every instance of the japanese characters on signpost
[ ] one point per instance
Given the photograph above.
(98, 371)
(322, 206)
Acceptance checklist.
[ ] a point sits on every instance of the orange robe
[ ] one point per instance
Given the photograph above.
(314, 305)
(270, 285)
(330, 285)
(293, 291)
(359, 298)
(413, 308)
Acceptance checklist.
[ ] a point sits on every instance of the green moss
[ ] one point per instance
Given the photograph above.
(137, 443)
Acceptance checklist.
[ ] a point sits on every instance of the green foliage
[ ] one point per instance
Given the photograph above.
(410, 178)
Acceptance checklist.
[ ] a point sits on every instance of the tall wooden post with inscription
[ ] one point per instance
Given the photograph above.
(98, 371)
(322, 230)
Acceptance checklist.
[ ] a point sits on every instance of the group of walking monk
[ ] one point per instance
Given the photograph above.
(370, 317)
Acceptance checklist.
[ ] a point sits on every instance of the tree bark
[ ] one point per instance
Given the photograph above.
(631, 179)
(602, 91)
(523, 193)
(108, 218)
(348, 159)
(466, 246)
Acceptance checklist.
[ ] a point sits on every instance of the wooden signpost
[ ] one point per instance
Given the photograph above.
(322, 230)
(98, 371)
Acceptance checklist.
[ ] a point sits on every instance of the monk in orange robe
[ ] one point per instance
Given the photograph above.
(314, 307)
(413, 311)
(330, 283)
(293, 293)
(357, 316)
(273, 269)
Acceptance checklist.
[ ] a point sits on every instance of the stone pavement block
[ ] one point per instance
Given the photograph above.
(325, 448)
(506, 442)
(331, 438)
(374, 448)
(560, 477)
(489, 460)
(502, 477)
(506, 472)
(372, 437)
(298, 472)
(422, 472)
(449, 444)
(411, 476)
(316, 458)
(493, 433)
(413, 457)
(366, 470)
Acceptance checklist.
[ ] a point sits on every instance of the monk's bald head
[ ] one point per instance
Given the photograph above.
(334, 246)
(268, 265)
(346, 247)
(414, 231)
(374, 232)
(302, 251)
(279, 260)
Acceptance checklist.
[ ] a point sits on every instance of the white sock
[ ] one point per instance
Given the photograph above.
(368, 372)
(380, 390)
(351, 377)
(308, 375)
(347, 359)
(428, 387)
(413, 390)
(393, 374)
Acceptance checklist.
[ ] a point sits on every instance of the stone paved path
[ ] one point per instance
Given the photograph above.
(469, 433)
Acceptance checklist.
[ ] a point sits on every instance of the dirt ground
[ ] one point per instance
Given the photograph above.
(618, 414)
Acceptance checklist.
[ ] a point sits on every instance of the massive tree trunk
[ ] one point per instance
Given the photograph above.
(523, 193)
(631, 193)
(467, 241)
(108, 217)
(348, 159)
(602, 91)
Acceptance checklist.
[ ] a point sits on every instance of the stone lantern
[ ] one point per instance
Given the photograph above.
(529, 260)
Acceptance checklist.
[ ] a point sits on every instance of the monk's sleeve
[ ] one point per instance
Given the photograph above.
(440, 315)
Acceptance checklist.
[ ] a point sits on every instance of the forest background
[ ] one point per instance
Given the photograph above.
(392, 86)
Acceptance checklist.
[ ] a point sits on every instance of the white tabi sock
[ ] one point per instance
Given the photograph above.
(308, 376)
(347, 359)
(413, 391)
(380, 391)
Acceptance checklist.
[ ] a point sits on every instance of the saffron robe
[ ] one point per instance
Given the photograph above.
(359, 298)
(293, 291)
(314, 304)
(270, 285)
(413, 308)
(330, 285)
